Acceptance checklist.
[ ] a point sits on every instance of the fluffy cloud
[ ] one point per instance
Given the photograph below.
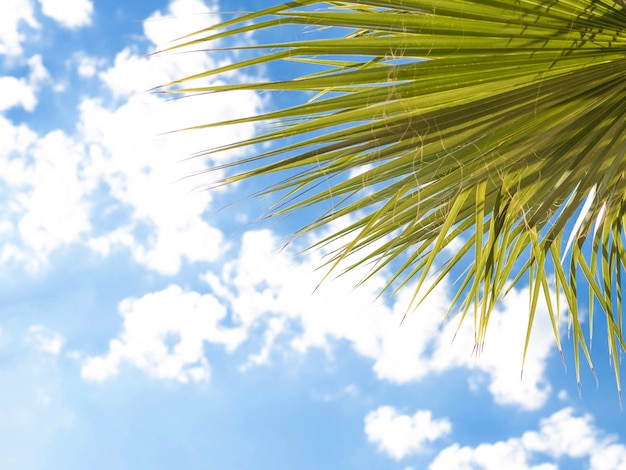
(560, 435)
(163, 334)
(501, 358)
(135, 73)
(88, 66)
(16, 92)
(17, 13)
(266, 283)
(22, 91)
(142, 171)
(68, 13)
(14, 13)
(15, 139)
(279, 295)
(193, 15)
(118, 166)
(400, 435)
(49, 208)
(42, 179)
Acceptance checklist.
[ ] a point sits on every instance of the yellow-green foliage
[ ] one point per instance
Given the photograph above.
(501, 121)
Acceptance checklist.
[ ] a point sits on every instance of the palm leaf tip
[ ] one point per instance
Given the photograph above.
(501, 122)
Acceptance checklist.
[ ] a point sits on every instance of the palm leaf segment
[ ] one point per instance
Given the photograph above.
(500, 122)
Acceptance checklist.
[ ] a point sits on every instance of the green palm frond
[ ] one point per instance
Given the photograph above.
(497, 121)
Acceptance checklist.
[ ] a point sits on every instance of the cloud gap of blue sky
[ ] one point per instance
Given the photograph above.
(146, 323)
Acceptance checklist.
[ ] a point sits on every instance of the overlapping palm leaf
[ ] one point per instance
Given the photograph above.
(499, 123)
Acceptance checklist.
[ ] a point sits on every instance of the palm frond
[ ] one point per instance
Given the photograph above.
(497, 121)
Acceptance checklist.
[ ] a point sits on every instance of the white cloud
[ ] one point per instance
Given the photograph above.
(133, 73)
(400, 435)
(23, 91)
(191, 15)
(505, 454)
(274, 328)
(563, 434)
(69, 13)
(49, 202)
(44, 339)
(136, 73)
(265, 283)
(51, 178)
(143, 174)
(14, 13)
(143, 170)
(16, 92)
(13, 140)
(608, 457)
(121, 236)
(560, 435)
(46, 207)
(502, 355)
(38, 72)
(164, 334)
(88, 66)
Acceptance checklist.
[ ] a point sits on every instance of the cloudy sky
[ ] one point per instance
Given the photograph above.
(148, 323)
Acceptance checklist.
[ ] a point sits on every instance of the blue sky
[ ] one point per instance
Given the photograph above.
(145, 323)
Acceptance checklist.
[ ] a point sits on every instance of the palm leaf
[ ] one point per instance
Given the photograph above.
(497, 121)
